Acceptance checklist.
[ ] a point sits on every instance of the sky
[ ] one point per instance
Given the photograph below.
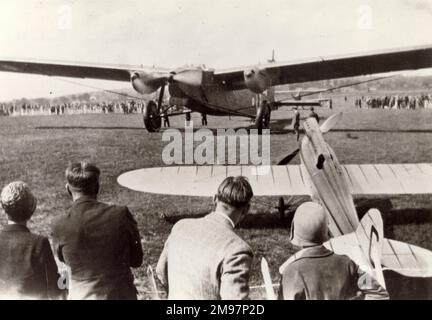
(219, 34)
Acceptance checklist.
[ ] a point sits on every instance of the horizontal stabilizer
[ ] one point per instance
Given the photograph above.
(403, 258)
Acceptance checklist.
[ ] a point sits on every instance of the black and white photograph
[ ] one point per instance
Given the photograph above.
(215, 150)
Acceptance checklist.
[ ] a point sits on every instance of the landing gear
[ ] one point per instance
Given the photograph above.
(281, 208)
(152, 113)
(266, 120)
(152, 118)
(262, 120)
(285, 209)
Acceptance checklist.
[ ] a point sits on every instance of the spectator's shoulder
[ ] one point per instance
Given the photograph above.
(113, 208)
(58, 222)
(236, 245)
(120, 213)
(118, 208)
(39, 241)
(343, 259)
(182, 224)
(293, 264)
(36, 236)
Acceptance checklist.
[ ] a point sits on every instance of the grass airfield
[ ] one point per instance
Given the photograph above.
(36, 149)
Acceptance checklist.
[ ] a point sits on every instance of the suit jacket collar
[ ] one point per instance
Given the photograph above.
(221, 218)
(310, 252)
(15, 228)
(83, 199)
(314, 252)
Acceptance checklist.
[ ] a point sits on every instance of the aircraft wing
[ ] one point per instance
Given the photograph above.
(74, 70)
(389, 179)
(410, 58)
(365, 179)
(204, 180)
(404, 258)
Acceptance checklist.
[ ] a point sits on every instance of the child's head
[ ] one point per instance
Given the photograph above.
(309, 226)
(18, 201)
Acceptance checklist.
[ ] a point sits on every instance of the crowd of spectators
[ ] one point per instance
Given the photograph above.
(125, 107)
(411, 102)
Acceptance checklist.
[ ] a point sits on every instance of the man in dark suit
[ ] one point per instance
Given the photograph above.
(98, 241)
(27, 266)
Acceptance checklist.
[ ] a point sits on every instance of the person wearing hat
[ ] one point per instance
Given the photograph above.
(316, 273)
(313, 114)
(99, 242)
(27, 266)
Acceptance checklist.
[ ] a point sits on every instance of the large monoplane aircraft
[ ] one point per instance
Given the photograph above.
(322, 178)
(240, 91)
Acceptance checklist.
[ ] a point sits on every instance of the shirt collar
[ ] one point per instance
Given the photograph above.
(15, 227)
(84, 198)
(226, 218)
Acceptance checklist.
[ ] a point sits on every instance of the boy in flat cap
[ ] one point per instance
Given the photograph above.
(27, 266)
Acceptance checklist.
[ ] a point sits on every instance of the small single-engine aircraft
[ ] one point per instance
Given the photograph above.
(242, 91)
(364, 246)
(320, 176)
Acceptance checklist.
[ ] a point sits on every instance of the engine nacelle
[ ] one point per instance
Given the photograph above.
(257, 80)
(145, 83)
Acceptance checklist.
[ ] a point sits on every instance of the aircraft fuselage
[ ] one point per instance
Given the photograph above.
(216, 99)
(327, 180)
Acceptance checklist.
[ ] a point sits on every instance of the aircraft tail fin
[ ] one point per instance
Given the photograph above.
(370, 250)
(330, 122)
(370, 236)
(404, 258)
(272, 57)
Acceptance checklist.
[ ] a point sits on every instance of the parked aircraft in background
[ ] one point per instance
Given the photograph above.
(241, 91)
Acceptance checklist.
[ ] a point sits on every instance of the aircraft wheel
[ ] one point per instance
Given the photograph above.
(152, 119)
(281, 208)
(267, 120)
(259, 120)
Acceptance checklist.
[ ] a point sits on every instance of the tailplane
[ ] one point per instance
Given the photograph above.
(370, 236)
(368, 248)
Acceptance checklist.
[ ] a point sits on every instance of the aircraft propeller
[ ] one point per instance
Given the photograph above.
(325, 127)
(149, 82)
(330, 122)
(288, 158)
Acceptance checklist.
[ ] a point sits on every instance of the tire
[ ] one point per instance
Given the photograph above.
(259, 120)
(152, 119)
(281, 208)
(267, 120)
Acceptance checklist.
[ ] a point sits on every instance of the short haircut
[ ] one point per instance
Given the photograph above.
(18, 201)
(235, 191)
(83, 176)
